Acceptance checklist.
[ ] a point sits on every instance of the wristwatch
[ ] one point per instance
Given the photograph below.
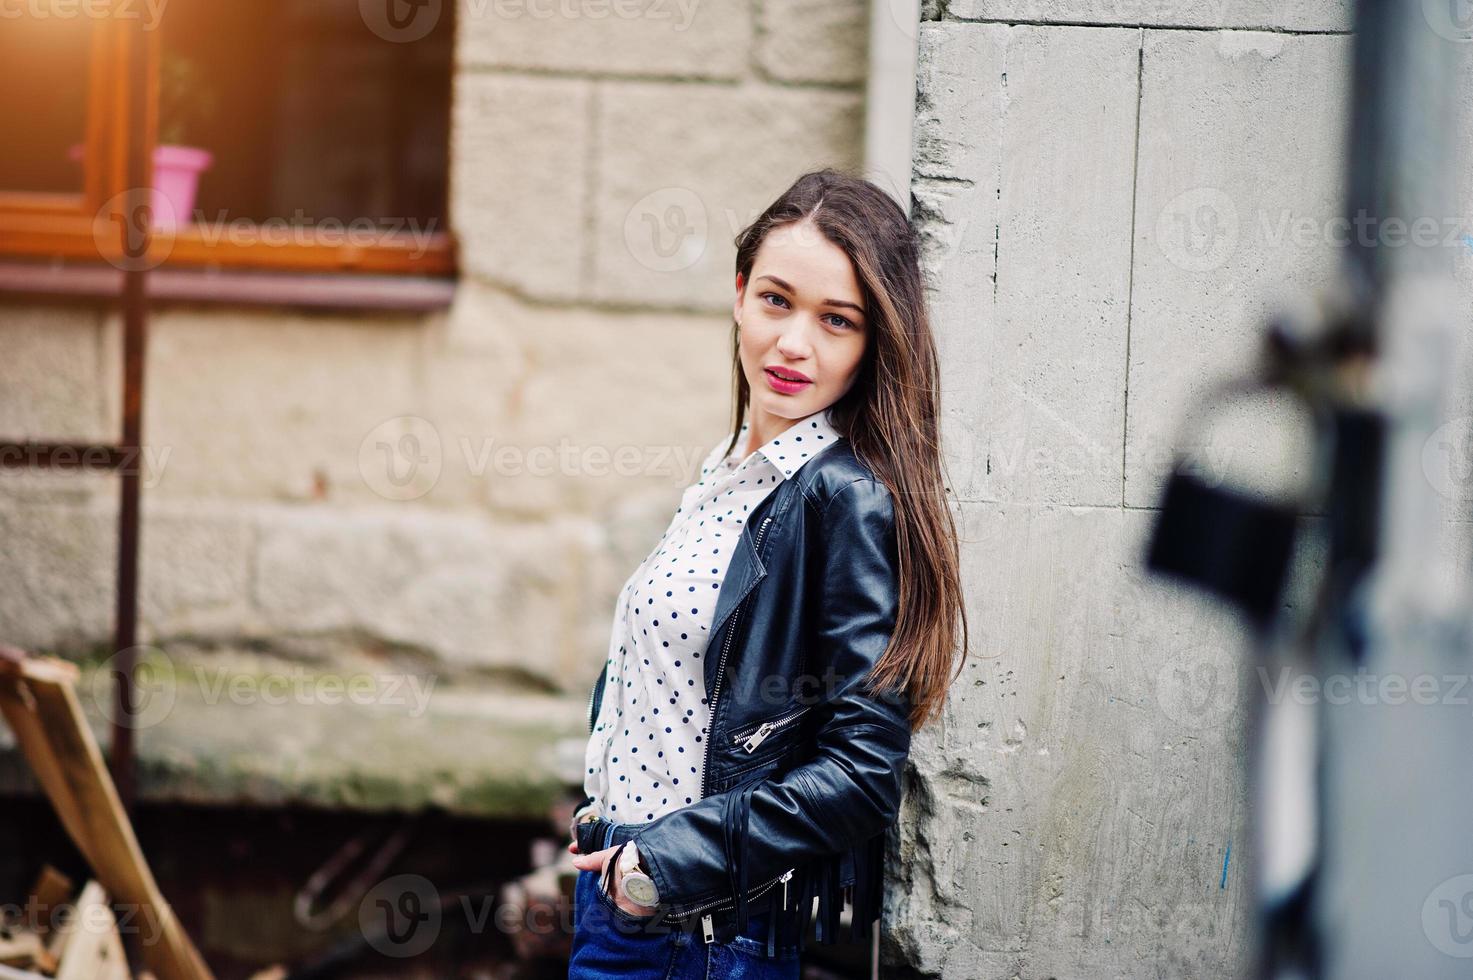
(633, 882)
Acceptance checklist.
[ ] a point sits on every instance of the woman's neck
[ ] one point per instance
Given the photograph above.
(763, 429)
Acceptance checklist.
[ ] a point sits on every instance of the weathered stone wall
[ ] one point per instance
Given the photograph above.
(1103, 189)
(473, 485)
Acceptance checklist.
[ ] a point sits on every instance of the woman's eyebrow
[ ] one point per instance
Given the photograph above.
(827, 302)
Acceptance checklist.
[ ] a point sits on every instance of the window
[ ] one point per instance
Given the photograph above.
(313, 142)
(54, 98)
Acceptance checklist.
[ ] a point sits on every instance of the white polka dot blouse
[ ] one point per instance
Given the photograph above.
(645, 755)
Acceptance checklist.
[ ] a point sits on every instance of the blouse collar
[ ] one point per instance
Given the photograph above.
(798, 443)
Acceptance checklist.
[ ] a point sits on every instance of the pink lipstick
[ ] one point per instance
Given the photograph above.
(785, 380)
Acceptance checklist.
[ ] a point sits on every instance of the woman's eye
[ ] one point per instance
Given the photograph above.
(834, 319)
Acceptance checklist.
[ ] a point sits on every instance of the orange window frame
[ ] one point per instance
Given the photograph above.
(87, 225)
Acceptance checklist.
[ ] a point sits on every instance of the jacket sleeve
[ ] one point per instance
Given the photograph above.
(850, 790)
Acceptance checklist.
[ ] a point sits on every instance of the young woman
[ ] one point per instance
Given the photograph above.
(798, 619)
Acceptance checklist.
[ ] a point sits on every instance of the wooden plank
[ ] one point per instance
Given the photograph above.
(18, 663)
(37, 236)
(51, 891)
(332, 291)
(18, 708)
(34, 202)
(42, 707)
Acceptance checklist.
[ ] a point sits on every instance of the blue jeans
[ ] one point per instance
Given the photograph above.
(609, 942)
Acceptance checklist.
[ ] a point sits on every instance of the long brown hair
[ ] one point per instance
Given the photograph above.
(890, 417)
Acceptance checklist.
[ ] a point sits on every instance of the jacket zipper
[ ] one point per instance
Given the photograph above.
(755, 892)
(721, 669)
(593, 695)
(755, 739)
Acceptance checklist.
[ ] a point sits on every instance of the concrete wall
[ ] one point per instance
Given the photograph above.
(472, 485)
(1102, 188)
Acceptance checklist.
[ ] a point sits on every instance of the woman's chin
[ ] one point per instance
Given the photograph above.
(794, 406)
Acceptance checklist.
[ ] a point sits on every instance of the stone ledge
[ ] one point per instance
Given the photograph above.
(290, 735)
(1311, 16)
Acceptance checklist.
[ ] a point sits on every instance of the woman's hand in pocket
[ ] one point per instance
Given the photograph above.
(595, 862)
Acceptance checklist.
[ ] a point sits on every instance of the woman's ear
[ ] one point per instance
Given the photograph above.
(736, 307)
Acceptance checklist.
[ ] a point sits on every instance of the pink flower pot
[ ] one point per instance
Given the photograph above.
(176, 171)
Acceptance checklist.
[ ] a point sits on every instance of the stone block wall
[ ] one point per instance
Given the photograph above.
(473, 485)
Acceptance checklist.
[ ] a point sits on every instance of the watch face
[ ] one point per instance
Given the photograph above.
(640, 889)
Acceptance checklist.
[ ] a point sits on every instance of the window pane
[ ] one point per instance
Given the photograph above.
(308, 113)
(43, 100)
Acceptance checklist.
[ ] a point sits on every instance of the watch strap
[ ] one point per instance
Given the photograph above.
(626, 862)
(611, 869)
(630, 858)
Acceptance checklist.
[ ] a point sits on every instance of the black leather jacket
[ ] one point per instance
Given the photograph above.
(802, 772)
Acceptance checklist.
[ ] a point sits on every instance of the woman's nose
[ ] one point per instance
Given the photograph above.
(795, 341)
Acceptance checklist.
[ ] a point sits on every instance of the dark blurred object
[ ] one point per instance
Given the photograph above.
(1231, 544)
(537, 908)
